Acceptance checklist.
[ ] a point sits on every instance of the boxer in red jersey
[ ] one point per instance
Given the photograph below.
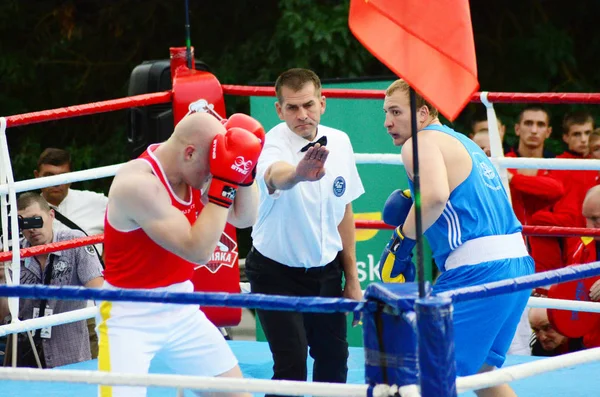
(155, 233)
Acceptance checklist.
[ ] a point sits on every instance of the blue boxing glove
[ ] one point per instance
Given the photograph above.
(395, 265)
(396, 207)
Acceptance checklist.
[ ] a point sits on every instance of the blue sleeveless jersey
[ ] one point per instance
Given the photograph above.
(478, 207)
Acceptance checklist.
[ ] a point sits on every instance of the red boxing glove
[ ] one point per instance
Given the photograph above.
(233, 155)
(250, 124)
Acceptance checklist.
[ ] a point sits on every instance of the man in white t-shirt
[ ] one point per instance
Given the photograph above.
(83, 207)
(303, 240)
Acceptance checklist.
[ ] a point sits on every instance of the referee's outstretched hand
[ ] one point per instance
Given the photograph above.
(312, 166)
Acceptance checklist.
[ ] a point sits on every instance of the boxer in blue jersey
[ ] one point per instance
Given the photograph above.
(471, 228)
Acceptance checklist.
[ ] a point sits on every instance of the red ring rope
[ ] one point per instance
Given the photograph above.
(53, 247)
(527, 229)
(164, 97)
(360, 224)
(89, 108)
(498, 97)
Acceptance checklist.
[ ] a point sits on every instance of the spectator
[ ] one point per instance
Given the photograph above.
(567, 211)
(76, 209)
(594, 144)
(585, 249)
(84, 208)
(482, 139)
(61, 344)
(306, 255)
(479, 124)
(532, 128)
(532, 190)
(577, 128)
(547, 341)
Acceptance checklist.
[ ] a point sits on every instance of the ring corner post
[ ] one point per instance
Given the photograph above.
(390, 339)
(437, 362)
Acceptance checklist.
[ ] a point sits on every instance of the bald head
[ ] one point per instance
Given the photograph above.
(591, 207)
(185, 155)
(197, 128)
(538, 316)
(544, 332)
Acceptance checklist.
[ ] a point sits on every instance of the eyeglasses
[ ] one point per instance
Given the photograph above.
(544, 328)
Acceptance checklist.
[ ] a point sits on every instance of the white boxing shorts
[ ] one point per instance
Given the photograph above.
(132, 334)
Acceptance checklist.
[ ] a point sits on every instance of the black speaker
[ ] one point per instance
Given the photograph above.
(154, 123)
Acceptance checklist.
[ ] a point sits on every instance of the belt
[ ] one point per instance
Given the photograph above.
(486, 249)
(272, 263)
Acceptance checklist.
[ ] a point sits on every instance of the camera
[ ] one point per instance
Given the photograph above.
(32, 222)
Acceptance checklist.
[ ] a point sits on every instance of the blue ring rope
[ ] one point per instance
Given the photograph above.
(568, 273)
(221, 299)
(289, 303)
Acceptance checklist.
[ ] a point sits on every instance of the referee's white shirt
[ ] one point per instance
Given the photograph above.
(299, 227)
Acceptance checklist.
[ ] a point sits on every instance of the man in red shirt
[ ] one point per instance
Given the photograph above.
(577, 128)
(156, 230)
(580, 250)
(532, 190)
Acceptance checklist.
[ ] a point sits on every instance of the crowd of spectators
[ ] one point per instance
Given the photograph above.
(567, 198)
(67, 214)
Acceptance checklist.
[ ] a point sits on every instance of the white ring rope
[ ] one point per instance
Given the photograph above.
(281, 387)
(48, 321)
(463, 384)
(520, 371)
(505, 162)
(361, 158)
(564, 304)
(69, 177)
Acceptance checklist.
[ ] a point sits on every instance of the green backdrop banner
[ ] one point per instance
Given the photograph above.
(362, 120)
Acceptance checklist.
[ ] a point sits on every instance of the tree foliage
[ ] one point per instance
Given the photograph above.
(55, 54)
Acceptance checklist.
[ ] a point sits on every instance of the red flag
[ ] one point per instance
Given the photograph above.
(429, 43)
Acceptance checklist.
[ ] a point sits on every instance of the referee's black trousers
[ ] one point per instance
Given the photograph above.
(290, 334)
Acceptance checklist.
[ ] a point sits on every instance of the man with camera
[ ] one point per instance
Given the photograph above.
(62, 344)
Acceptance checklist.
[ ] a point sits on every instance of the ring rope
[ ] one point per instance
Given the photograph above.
(89, 108)
(90, 312)
(568, 273)
(498, 97)
(281, 387)
(529, 230)
(505, 162)
(166, 96)
(48, 321)
(360, 224)
(69, 177)
(361, 158)
(520, 371)
(128, 102)
(564, 304)
(223, 299)
(463, 384)
(8, 176)
(53, 247)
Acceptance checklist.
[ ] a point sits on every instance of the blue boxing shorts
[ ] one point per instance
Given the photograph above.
(484, 328)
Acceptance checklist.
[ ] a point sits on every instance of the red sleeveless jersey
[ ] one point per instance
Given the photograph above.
(134, 260)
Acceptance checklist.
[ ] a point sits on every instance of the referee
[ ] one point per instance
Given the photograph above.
(303, 240)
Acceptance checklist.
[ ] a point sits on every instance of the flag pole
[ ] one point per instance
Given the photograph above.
(417, 189)
(188, 36)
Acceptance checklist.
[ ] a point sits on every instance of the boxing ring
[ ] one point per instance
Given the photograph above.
(572, 374)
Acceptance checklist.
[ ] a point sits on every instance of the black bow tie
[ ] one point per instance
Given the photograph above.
(321, 141)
